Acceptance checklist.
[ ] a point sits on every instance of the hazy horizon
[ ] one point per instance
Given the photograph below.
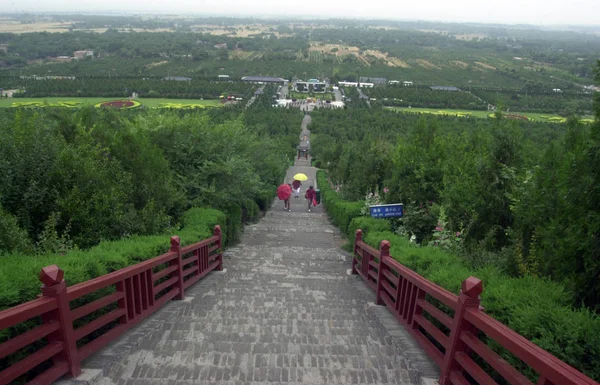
(536, 12)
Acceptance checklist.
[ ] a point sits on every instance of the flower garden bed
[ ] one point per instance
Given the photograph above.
(119, 104)
(185, 106)
(44, 104)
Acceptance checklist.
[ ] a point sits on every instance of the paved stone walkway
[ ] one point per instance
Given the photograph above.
(285, 310)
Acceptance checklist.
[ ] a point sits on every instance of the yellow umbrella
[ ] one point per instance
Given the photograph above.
(301, 177)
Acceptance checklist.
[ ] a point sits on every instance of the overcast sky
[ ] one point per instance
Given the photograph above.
(543, 12)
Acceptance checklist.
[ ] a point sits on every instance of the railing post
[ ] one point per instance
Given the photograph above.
(55, 287)
(357, 238)
(176, 248)
(468, 299)
(384, 252)
(218, 233)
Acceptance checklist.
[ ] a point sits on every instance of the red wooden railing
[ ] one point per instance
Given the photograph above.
(453, 341)
(134, 293)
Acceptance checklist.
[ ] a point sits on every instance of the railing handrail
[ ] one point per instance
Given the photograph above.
(409, 301)
(136, 289)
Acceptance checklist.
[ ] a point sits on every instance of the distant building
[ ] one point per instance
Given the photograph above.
(348, 84)
(366, 85)
(262, 79)
(63, 58)
(177, 78)
(221, 46)
(445, 88)
(223, 76)
(83, 54)
(394, 82)
(4, 47)
(375, 81)
(557, 90)
(407, 84)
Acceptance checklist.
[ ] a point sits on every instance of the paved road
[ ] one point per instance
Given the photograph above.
(338, 95)
(363, 96)
(251, 100)
(284, 91)
(285, 310)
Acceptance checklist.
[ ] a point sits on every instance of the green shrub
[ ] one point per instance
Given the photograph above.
(538, 309)
(12, 237)
(250, 211)
(368, 225)
(265, 199)
(234, 223)
(19, 273)
(340, 211)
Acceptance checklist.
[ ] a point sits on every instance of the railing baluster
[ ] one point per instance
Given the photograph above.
(130, 298)
(137, 294)
(55, 287)
(404, 289)
(406, 308)
(384, 252)
(150, 286)
(122, 303)
(398, 292)
(176, 248)
(144, 290)
(468, 299)
(198, 258)
(414, 309)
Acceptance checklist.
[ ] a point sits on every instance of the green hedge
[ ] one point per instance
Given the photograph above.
(19, 273)
(367, 225)
(265, 199)
(536, 308)
(340, 211)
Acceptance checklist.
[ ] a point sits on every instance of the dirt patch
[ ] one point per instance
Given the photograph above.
(156, 64)
(484, 65)
(12, 26)
(390, 61)
(362, 59)
(248, 30)
(397, 62)
(241, 55)
(427, 64)
(459, 63)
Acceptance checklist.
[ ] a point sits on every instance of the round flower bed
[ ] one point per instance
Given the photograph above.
(119, 104)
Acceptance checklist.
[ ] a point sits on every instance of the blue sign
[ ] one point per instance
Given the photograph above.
(386, 211)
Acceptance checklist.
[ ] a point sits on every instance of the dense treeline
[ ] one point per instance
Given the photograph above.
(400, 96)
(429, 58)
(108, 87)
(41, 45)
(521, 195)
(564, 104)
(95, 175)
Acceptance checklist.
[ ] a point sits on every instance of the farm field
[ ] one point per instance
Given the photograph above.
(74, 102)
(486, 114)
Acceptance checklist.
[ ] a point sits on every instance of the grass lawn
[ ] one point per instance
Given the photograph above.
(485, 114)
(146, 102)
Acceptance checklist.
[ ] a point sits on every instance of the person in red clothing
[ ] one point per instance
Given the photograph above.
(296, 186)
(310, 195)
